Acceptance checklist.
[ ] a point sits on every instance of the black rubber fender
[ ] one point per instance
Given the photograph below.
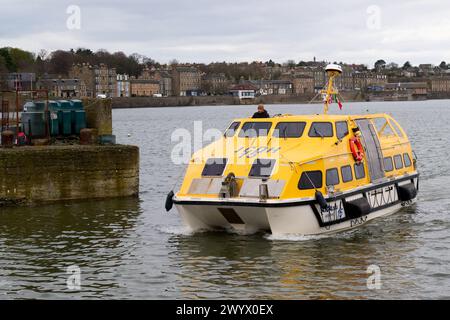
(321, 200)
(407, 192)
(169, 201)
(357, 208)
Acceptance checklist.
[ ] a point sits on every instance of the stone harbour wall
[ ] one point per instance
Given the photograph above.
(52, 173)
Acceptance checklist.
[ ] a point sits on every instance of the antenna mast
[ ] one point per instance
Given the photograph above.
(332, 70)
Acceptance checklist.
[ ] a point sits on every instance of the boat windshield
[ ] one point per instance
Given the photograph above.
(255, 129)
(289, 130)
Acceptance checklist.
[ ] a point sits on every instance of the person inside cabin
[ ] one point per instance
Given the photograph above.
(261, 113)
(356, 131)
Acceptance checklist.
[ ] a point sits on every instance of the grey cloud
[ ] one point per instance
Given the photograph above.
(205, 30)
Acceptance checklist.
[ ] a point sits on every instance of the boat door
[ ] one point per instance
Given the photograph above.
(372, 147)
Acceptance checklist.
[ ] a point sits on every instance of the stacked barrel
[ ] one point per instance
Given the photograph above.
(65, 118)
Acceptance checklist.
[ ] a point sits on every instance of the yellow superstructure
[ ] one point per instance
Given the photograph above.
(300, 174)
(324, 156)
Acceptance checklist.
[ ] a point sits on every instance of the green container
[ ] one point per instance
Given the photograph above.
(53, 106)
(107, 139)
(64, 105)
(33, 124)
(76, 104)
(39, 106)
(29, 107)
(78, 121)
(64, 122)
(53, 123)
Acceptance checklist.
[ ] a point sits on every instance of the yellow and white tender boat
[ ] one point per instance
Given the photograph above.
(300, 174)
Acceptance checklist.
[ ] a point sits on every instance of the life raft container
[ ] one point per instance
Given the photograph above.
(356, 149)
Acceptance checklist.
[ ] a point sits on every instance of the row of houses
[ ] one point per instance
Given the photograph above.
(86, 80)
(90, 81)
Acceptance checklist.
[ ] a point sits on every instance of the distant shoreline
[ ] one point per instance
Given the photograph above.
(152, 102)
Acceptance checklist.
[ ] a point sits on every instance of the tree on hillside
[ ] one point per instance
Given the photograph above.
(60, 62)
(3, 68)
(443, 65)
(380, 64)
(23, 60)
(290, 63)
(270, 63)
(407, 65)
(9, 63)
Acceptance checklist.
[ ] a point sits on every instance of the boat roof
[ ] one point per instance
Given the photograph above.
(316, 117)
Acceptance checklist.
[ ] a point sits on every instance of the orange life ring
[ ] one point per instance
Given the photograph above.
(357, 149)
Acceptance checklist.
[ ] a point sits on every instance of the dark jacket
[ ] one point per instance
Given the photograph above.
(264, 114)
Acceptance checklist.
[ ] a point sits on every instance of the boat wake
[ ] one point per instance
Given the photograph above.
(175, 230)
(294, 237)
(299, 237)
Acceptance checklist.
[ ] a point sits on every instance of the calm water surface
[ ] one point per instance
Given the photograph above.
(131, 248)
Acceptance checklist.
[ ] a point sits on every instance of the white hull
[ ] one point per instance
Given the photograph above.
(282, 218)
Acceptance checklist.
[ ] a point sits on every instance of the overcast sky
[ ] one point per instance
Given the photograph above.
(357, 31)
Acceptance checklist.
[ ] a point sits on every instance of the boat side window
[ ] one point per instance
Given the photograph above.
(255, 129)
(346, 173)
(360, 173)
(232, 129)
(321, 129)
(262, 168)
(396, 128)
(388, 165)
(407, 160)
(289, 130)
(310, 180)
(214, 167)
(332, 177)
(341, 129)
(398, 162)
(383, 127)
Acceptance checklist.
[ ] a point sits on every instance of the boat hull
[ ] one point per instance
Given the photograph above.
(304, 217)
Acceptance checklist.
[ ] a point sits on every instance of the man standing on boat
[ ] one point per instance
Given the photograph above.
(261, 113)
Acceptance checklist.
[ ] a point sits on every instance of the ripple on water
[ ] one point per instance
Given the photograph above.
(130, 248)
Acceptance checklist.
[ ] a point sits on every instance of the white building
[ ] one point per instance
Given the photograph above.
(243, 91)
(123, 85)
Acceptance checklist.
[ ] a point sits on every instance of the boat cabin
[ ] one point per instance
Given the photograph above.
(295, 156)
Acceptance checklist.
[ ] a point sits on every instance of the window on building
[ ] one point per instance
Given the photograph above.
(232, 129)
(398, 162)
(310, 180)
(360, 172)
(255, 129)
(332, 177)
(289, 130)
(321, 129)
(262, 168)
(407, 160)
(214, 167)
(341, 129)
(388, 165)
(346, 173)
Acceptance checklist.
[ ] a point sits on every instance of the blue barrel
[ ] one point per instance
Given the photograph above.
(33, 124)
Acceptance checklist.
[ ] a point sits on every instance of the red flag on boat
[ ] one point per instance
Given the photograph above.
(338, 102)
